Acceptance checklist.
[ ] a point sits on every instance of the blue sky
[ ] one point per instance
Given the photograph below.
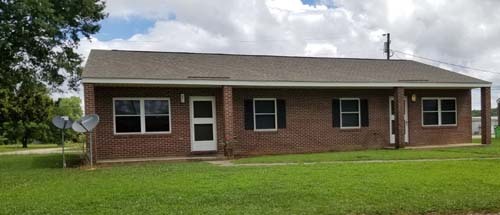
(114, 28)
(124, 28)
(309, 2)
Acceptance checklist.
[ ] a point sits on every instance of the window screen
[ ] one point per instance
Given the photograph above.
(203, 132)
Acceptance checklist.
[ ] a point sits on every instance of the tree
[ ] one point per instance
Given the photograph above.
(70, 107)
(37, 50)
(38, 38)
(478, 112)
(26, 117)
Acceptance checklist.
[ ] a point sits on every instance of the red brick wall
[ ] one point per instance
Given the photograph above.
(227, 100)
(89, 100)
(178, 142)
(309, 122)
(399, 117)
(486, 115)
(461, 133)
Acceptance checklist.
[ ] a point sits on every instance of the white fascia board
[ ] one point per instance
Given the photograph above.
(281, 83)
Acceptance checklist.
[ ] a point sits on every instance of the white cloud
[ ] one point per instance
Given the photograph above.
(460, 32)
(320, 49)
(399, 9)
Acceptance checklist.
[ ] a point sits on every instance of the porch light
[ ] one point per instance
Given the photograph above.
(413, 97)
(183, 99)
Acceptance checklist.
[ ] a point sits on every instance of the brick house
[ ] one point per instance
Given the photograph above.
(154, 104)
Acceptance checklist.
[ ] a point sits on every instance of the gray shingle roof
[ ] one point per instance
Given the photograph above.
(109, 64)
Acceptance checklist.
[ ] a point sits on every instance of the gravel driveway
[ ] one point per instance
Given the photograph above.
(38, 151)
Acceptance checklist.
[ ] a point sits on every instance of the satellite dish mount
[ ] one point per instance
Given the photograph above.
(86, 125)
(62, 122)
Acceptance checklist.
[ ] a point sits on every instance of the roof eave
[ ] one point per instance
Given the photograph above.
(241, 83)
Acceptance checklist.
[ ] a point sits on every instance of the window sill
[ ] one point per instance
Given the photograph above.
(266, 131)
(350, 129)
(141, 134)
(438, 126)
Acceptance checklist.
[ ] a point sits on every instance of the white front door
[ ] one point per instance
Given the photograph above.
(392, 120)
(203, 123)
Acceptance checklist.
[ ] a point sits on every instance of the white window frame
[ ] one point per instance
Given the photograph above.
(439, 111)
(266, 114)
(350, 112)
(143, 115)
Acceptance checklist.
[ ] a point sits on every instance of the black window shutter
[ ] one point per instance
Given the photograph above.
(364, 113)
(336, 112)
(248, 114)
(281, 107)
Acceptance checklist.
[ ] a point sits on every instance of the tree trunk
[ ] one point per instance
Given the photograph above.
(25, 140)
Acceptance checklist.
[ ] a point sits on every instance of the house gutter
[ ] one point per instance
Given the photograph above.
(237, 83)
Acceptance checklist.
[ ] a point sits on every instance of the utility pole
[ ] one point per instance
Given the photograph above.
(387, 45)
(498, 112)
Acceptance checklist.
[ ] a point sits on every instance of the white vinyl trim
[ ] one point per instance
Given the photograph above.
(142, 115)
(392, 137)
(275, 114)
(350, 112)
(282, 83)
(439, 111)
(203, 145)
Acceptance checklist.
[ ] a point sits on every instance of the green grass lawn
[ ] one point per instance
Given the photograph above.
(19, 147)
(492, 150)
(36, 184)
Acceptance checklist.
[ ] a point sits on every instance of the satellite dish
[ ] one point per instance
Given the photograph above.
(86, 123)
(62, 122)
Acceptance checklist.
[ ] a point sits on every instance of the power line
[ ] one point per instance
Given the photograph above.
(447, 63)
(386, 46)
(493, 88)
(460, 72)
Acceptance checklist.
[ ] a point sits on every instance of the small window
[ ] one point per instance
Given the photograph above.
(439, 111)
(448, 112)
(157, 116)
(265, 114)
(349, 113)
(142, 115)
(127, 116)
(202, 109)
(430, 111)
(203, 132)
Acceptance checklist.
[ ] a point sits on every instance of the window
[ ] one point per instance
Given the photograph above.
(430, 111)
(439, 111)
(265, 114)
(349, 113)
(448, 112)
(157, 116)
(127, 116)
(141, 115)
